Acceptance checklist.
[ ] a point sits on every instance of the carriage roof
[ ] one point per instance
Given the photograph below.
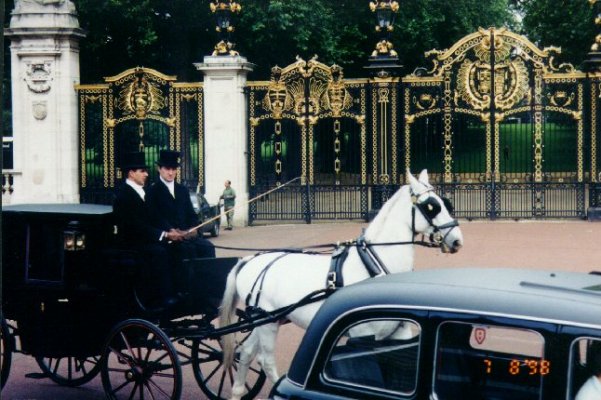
(70, 210)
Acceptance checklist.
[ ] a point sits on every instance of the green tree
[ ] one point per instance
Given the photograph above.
(276, 31)
(564, 23)
(171, 35)
(166, 35)
(432, 24)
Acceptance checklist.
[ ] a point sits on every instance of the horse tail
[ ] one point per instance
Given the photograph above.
(227, 313)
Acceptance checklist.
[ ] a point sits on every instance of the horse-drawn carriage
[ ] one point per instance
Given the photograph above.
(74, 298)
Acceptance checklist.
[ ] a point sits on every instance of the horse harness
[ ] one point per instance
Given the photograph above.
(429, 208)
(373, 264)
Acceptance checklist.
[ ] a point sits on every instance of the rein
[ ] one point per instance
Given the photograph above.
(332, 246)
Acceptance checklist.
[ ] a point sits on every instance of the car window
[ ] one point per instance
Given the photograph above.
(203, 201)
(379, 354)
(585, 369)
(475, 361)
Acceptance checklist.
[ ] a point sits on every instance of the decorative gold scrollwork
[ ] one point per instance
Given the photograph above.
(561, 98)
(425, 101)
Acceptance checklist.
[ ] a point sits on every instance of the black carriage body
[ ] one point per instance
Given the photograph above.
(58, 280)
(477, 333)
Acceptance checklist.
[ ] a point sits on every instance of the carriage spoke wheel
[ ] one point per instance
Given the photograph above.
(6, 350)
(213, 379)
(140, 362)
(70, 371)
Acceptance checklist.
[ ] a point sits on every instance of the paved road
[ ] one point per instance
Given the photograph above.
(572, 245)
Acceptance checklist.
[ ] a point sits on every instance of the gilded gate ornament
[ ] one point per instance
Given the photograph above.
(561, 98)
(336, 97)
(277, 99)
(474, 78)
(327, 91)
(140, 98)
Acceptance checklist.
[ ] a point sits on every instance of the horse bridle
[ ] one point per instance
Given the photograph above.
(429, 209)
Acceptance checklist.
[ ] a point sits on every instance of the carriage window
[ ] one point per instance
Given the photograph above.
(380, 354)
(489, 362)
(44, 254)
(585, 370)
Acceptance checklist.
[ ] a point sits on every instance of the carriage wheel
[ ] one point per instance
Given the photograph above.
(6, 349)
(139, 362)
(70, 371)
(216, 382)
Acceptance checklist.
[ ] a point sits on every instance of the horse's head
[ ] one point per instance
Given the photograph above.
(431, 215)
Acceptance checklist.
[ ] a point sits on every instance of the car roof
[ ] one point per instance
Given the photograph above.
(511, 291)
(551, 296)
(59, 209)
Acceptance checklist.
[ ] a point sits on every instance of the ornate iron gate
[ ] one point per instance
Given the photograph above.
(498, 125)
(509, 128)
(308, 122)
(139, 109)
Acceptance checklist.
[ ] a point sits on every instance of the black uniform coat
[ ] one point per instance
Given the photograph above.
(168, 212)
(135, 232)
(133, 219)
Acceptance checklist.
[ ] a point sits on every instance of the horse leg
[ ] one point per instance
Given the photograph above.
(267, 338)
(248, 352)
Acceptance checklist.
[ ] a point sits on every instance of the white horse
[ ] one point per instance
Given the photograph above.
(270, 281)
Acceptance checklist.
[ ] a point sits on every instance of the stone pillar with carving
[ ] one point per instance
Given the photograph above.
(226, 133)
(44, 42)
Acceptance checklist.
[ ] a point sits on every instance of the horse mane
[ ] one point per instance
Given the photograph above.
(387, 208)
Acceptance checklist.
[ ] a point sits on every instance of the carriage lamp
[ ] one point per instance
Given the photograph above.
(73, 238)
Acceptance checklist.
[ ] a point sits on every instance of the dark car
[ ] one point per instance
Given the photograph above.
(206, 212)
(451, 334)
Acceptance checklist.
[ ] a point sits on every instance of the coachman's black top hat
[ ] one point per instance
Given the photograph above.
(134, 160)
(168, 158)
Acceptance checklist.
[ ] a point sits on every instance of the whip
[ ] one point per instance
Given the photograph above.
(248, 202)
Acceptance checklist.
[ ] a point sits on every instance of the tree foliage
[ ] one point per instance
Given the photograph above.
(166, 35)
(171, 35)
(564, 23)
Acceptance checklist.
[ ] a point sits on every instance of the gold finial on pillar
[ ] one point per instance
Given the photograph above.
(224, 11)
(384, 59)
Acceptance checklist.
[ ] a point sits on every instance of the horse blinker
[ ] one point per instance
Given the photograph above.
(430, 208)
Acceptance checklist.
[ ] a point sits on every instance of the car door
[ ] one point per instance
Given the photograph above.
(371, 354)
